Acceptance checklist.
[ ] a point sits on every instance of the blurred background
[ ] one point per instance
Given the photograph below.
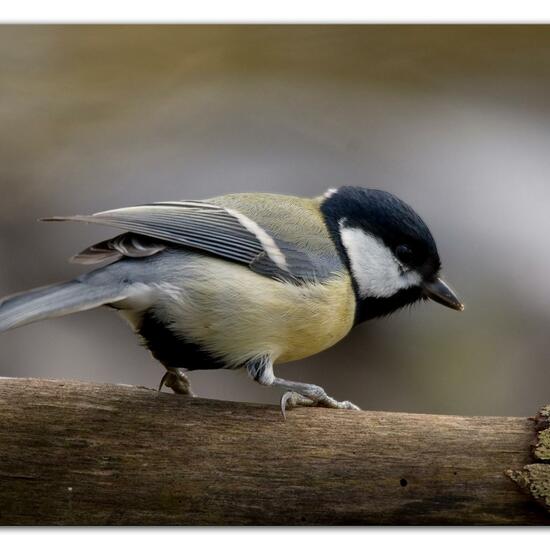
(453, 119)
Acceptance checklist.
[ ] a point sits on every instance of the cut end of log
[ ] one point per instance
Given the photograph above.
(534, 479)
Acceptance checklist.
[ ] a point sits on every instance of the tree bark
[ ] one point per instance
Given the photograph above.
(74, 453)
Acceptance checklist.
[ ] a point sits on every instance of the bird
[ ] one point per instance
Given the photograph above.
(249, 280)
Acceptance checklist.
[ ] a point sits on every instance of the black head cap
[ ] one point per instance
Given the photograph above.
(388, 218)
(398, 226)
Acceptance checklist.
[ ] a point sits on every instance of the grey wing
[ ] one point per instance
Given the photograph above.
(220, 231)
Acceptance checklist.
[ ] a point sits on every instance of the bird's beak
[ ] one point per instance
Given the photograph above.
(439, 291)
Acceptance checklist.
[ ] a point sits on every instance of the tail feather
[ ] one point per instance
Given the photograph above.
(54, 301)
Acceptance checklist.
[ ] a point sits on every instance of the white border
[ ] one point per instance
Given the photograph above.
(276, 539)
(281, 11)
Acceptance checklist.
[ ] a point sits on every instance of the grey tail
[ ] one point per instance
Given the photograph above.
(55, 301)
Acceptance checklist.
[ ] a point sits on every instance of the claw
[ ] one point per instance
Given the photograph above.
(163, 380)
(284, 399)
(176, 381)
(295, 399)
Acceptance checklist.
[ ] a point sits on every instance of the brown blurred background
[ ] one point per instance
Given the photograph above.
(453, 119)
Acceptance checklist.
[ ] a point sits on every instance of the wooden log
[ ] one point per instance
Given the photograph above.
(74, 453)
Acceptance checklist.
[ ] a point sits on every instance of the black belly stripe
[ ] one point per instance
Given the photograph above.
(173, 351)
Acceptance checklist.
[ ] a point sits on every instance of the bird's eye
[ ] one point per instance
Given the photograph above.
(403, 253)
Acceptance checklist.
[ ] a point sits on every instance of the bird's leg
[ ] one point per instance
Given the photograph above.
(177, 381)
(297, 393)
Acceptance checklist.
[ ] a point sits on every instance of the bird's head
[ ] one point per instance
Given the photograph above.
(389, 251)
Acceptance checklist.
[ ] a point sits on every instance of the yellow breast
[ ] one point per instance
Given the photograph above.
(322, 316)
(237, 314)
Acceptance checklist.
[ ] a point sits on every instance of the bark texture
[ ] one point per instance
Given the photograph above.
(76, 453)
(534, 479)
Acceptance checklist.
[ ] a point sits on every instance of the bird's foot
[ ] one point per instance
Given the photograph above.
(177, 382)
(293, 399)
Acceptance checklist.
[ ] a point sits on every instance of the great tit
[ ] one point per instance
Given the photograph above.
(249, 280)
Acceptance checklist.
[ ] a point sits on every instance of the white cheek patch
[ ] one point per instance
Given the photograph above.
(374, 267)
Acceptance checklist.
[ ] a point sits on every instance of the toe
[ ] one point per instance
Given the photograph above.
(163, 381)
(292, 399)
(349, 405)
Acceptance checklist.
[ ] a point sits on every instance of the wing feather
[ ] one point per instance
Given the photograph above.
(202, 226)
(195, 225)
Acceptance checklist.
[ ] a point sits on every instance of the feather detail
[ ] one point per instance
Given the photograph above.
(129, 245)
(221, 230)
